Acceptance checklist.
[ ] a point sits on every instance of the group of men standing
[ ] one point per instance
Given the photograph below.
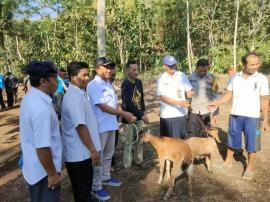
(10, 83)
(90, 112)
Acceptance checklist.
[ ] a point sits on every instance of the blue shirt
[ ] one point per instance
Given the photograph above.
(2, 81)
(60, 85)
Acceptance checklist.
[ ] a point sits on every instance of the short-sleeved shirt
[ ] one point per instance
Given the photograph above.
(39, 128)
(102, 92)
(204, 93)
(2, 84)
(60, 85)
(77, 111)
(173, 86)
(246, 94)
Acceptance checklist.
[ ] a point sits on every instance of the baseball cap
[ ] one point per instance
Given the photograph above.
(169, 60)
(40, 69)
(105, 62)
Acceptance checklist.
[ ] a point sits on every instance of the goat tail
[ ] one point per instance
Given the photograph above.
(189, 169)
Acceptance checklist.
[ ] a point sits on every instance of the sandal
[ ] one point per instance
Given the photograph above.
(248, 175)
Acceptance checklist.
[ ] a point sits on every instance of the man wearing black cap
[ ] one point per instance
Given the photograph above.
(40, 135)
(172, 88)
(203, 85)
(104, 103)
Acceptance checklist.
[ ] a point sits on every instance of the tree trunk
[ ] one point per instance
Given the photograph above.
(188, 41)
(18, 50)
(101, 28)
(235, 34)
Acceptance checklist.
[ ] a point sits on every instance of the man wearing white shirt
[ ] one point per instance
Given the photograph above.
(248, 90)
(172, 88)
(81, 141)
(40, 135)
(104, 102)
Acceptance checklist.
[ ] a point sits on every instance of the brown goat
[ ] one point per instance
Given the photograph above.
(177, 152)
(206, 148)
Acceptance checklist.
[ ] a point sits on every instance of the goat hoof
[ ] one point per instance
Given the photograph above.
(165, 198)
(159, 181)
(210, 171)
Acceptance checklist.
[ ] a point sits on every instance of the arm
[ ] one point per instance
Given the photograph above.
(46, 160)
(170, 101)
(87, 141)
(222, 100)
(126, 115)
(265, 109)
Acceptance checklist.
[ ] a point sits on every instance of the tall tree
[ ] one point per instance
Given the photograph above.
(101, 27)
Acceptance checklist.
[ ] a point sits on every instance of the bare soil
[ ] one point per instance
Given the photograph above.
(140, 184)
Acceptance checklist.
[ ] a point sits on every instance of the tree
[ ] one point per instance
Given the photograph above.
(101, 27)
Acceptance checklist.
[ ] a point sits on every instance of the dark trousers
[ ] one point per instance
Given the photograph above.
(81, 178)
(173, 127)
(10, 98)
(2, 99)
(40, 192)
(116, 140)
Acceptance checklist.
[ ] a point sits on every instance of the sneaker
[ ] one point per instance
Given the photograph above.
(112, 182)
(101, 194)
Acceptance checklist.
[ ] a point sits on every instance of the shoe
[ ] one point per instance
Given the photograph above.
(112, 182)
(101, 194)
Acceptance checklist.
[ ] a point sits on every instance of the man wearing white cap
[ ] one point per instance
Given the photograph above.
(173, 86)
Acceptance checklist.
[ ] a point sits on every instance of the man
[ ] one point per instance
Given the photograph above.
(247, 89)
(204, 88)
(171, 88)
(81, 141)
(40, 135)
(9, 90)
(133, 102)
(104, 103)
(2, 85)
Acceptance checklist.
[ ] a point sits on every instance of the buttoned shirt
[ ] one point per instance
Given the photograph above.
(77, 111)
(173, 86)
(39, 128)
(246, 93)
(102, 92)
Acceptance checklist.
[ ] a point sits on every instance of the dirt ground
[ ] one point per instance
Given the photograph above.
(140, 184)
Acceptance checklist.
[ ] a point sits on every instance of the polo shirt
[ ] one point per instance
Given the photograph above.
(246, 94)
(39, 128)
(204, 93)
(102, 92)
(173, 86)
(76, 111)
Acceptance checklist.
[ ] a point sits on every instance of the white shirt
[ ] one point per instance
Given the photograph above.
(76, 111)
(102, 92)
(246, 94)
(173, 86)
(39, 128)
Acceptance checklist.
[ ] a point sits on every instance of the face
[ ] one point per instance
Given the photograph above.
(132, 71)
(81, 79)
(169, 70)
(113, 74)
(104, 73)
(253, 64)
(202, 70)
(49, 84)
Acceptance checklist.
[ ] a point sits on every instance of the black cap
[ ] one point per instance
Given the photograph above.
(40, 69)
(203, 62)
(105, 62)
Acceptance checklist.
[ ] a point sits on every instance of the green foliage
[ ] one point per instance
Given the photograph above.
(135, 29)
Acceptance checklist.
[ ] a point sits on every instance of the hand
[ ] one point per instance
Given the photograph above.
(184, 103)
(95, 158)
(145, 119)
(212, 105)
(264, 126)
(53, 180)
(190, 94)
(129, 117)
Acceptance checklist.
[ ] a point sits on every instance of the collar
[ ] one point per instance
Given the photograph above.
(99, 79)
(253, 75)
(76, 88)
(41, 94)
